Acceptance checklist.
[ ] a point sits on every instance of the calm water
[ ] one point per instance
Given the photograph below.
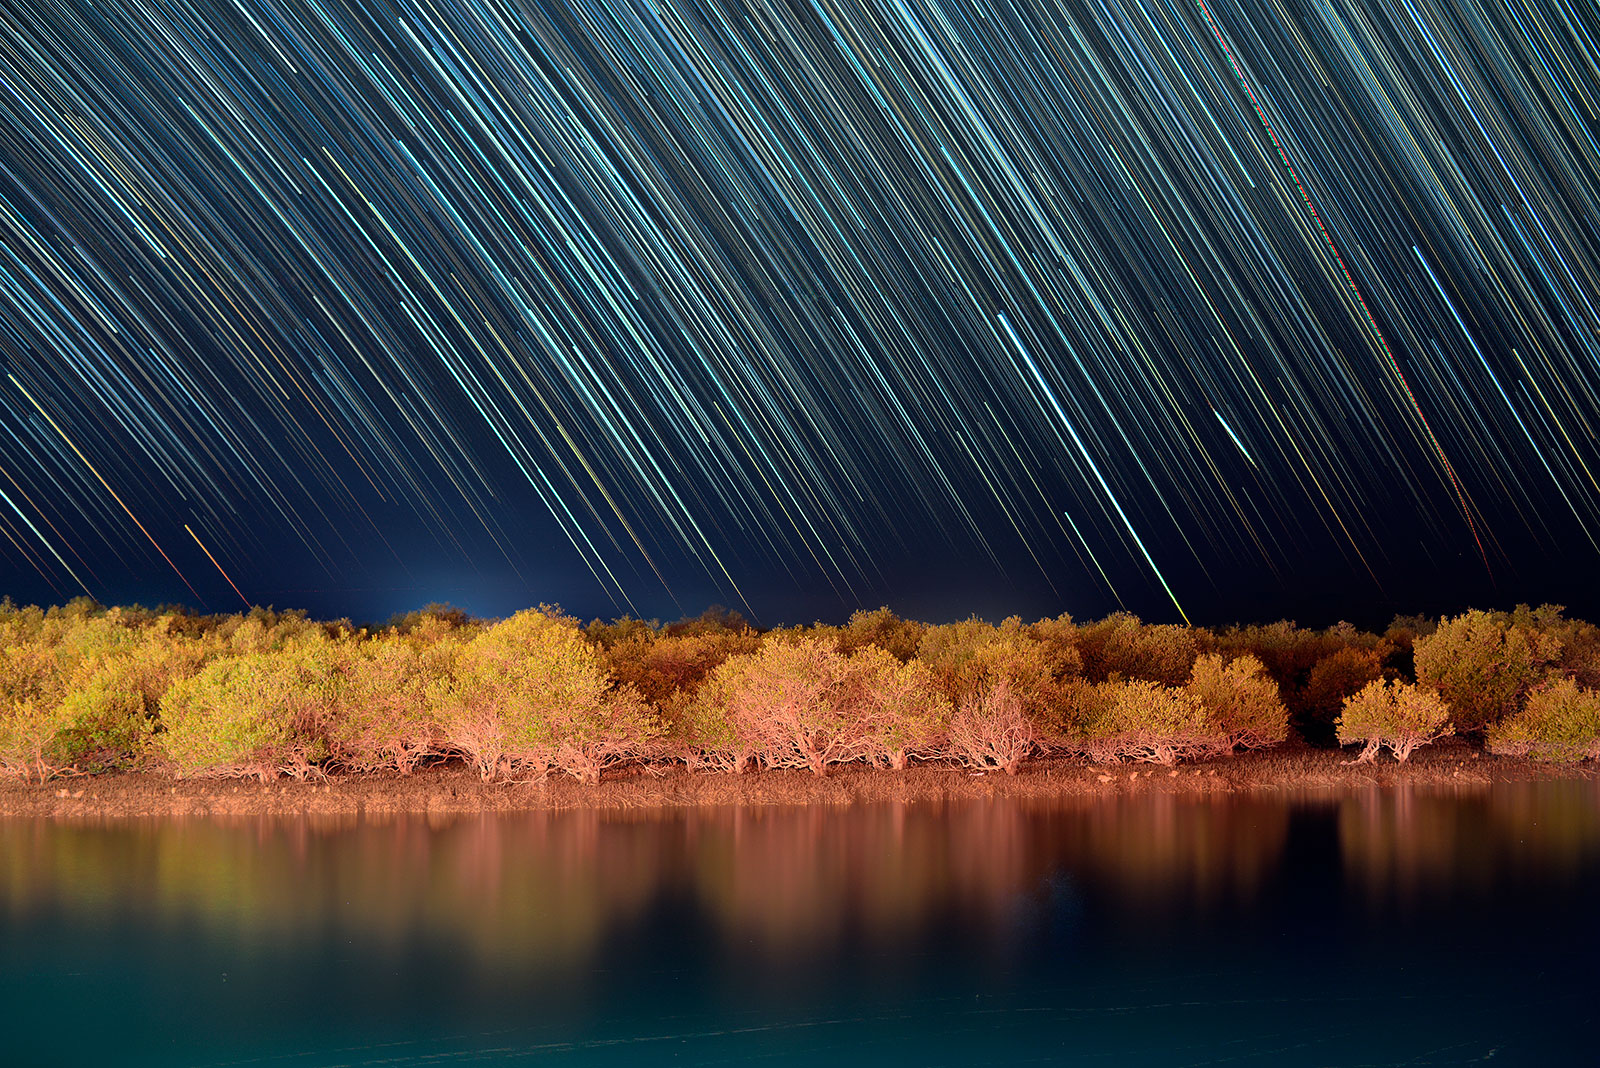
(1383, 928)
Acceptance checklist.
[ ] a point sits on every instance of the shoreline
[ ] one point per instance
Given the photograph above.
(454, 789)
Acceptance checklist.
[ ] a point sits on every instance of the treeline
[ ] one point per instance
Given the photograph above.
(88, 689)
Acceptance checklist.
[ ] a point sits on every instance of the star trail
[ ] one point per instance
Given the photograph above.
(1193, 307)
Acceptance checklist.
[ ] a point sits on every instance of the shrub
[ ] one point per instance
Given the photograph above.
(1120, 646)
(113, 705)
(1059, 639)
(266, 630)
(704, 728)
(904, 711)
(1287, 651)
(530, 694)
(882, 628)
(260, 714)
(84, 692)
(1393, 715)
(19, 623)
(1579, 655)
(384, 719)
(793, 704)
(32, 687)
(1483, 666)
(991, 730)
(1137, 719)
(668, 671)
(714, 620)
(1241, 701)
(432, 620)
(1333, 678)
(1560, 722)
(970, 658)
(1292, 654)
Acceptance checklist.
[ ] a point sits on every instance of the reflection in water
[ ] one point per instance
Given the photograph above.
(549, 887)
(1176, 929)
(1406, 844)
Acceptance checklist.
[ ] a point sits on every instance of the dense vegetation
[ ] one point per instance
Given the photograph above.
(86, 689)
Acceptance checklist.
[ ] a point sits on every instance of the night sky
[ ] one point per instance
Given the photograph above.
(1209, 310)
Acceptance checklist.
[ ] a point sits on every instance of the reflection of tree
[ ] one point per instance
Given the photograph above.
(538, 888)
(546, 890)
(1410, 842)
(1165, 846)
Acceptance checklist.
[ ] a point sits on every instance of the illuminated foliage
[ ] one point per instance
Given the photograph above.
(1393, 715)
(970, 658)
(1241, 701)
(530, 694)
(255, 713)
(113, 705)
(793, 704)
(266, 693)
(1120, 646)
(83, 693)
(883, 629)
(1137, 719)
(991, 730)
(904, 711)
(1561, 721)
(31, 713)
(384, 717)
(1483, 665)
(668, 670)
(1333, 678)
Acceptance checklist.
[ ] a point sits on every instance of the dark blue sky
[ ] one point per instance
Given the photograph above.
(1223, 312)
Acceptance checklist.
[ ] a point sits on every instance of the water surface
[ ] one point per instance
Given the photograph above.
(1385, 927)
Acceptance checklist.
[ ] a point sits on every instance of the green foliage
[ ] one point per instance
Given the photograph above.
(1561, 722)
(113, 706)
(83, 692)
(1120, 646)
(970, 658)
(1336, 676)
(32, 688)
(530, 694)
(1138, 719)
(904, 712)
(1393, 715)
(256, 713)
(1241, 701)
(382, 717)
(1484, 664)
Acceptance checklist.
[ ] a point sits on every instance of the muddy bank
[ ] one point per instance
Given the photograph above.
(453, 788)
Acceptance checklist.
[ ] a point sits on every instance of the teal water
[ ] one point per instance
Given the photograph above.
(1410, 927)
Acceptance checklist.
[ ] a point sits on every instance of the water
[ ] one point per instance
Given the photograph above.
(1382, 928)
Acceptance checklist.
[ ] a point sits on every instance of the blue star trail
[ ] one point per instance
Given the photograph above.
(1141, 304)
